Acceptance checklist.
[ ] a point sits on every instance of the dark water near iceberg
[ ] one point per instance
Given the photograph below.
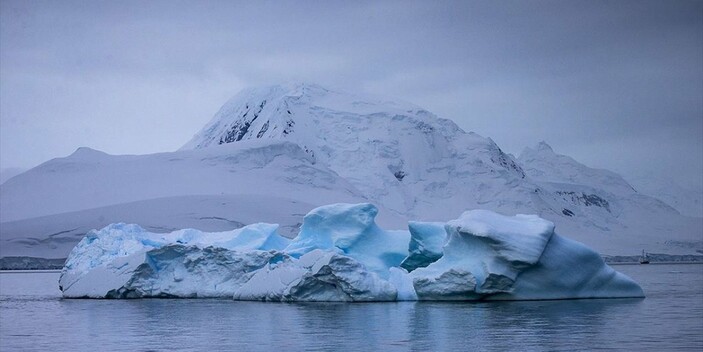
(33, 317)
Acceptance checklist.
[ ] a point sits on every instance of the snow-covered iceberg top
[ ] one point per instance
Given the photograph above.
(341, 254)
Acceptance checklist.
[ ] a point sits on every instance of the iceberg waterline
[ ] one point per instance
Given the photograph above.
(340, 254)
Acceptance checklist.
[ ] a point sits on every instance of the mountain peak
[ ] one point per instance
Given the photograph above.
(300, 143)
(543, 146)
(283, 110)
(86, 152)
(541, 162)
(362, 137)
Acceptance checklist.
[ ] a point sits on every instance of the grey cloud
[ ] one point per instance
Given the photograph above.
(134, 77)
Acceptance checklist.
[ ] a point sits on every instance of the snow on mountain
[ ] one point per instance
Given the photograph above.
(687, 201)
(604, 204)
(10, 172)
(424, 167)
(542, 163)
(400, 155)
(281, 147)
(88, 178)
(45, 211)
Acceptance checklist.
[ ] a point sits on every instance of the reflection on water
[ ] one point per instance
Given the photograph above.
(671, 317)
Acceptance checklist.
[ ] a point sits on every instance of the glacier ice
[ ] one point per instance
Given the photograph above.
(340, 254)
(123, 261)
(350, 229)
(426, 242)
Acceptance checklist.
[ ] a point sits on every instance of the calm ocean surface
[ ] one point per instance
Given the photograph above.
(33, 317)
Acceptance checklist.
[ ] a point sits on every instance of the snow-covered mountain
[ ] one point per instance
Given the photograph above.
(687, 201)
(46, 210)
(281, 148)
(602, 202)
(543, 164)
(398, 154)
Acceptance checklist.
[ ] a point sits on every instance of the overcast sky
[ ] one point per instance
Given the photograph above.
(614, 84)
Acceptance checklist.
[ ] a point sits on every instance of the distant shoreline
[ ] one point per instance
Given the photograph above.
(39, 271)
(29, 271)
(655, 258)
(654, 263)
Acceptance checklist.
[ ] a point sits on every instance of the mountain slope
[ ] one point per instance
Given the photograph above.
(46, 210)
(89, 178)
(687, 201)
(601, 202)
(424, 167)
(391, 152)
(542, 163)
(10, 172)
(273, 153)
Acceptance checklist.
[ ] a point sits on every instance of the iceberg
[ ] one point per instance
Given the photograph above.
(341, 254)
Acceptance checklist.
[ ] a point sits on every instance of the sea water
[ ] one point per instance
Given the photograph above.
(34, 317)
